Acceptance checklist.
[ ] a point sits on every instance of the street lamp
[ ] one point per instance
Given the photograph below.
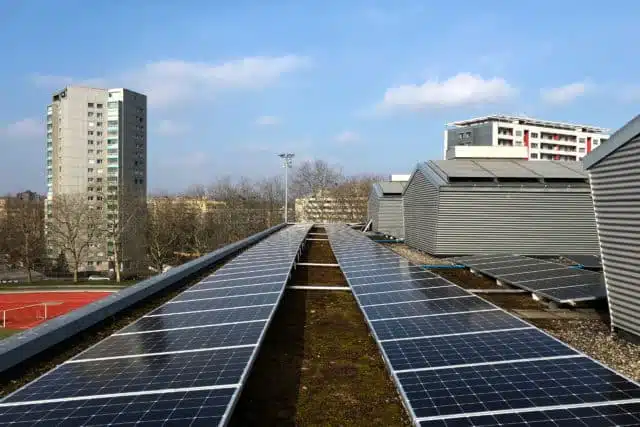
(287, 160)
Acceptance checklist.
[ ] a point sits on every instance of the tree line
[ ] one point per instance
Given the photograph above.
(168, 228)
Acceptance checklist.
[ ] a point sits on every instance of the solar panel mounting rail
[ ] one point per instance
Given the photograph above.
(459, 360)
(183, 363)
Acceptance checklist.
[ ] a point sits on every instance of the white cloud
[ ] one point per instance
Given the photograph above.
(267, 120)
(25, 128)
(347, 137)
(563, 94)
(171, 127)
(463, 89)
(171, 82)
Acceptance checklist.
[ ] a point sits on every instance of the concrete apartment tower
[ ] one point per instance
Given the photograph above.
(97, 147)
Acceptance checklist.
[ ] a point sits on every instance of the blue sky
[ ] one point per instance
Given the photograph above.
(366, 85)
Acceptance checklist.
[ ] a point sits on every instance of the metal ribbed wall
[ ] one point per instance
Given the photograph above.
(420, 201)
(386, 213)
(516, 221)
(390, 218)
(615, 183)
(372, 210)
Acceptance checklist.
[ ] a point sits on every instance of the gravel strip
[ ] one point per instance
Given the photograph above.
(593, 338)
(416, 256)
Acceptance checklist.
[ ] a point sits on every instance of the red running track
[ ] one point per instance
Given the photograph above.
(58, 303)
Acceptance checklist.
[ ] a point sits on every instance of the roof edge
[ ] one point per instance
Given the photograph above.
(619, 138)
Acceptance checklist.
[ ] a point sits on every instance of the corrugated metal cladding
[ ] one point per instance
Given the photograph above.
(528, 218)
(615, 184)
(420, 200)
(385, 209)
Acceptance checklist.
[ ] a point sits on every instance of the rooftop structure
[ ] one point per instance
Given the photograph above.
(614, 170)
(529, 138)
(467, 207)
(96, 154)
(384, 208)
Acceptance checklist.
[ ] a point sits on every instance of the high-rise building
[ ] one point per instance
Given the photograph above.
(513, 137)
(97, 148)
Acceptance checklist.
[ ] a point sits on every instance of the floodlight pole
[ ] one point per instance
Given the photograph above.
(287, 161)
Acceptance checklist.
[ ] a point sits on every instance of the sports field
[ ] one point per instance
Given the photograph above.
(24, 310)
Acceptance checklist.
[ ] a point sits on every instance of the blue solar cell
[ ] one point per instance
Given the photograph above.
(446, 325)
(217, 303)
(510, 386)
(423, 353)
(448, 290)
(427, 308)
(194, 408)
(230, 291)
(139, 373)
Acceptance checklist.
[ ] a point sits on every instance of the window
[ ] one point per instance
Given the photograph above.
(468, 134)
(99, 179)
(99, 133)
(90, 132)
(112, 132)
(89, 179)
(98, 189)
(90, 105)
(91, 124)
(534, 155)
(518, 133)
(98, 114)
(89, 151)
(99, 142)
(90, 141)
(112, 123)
(90, 198)
(98, 105)
(534, 145)
(581, 140)
(98, 152)
(99, 124)
(90, 114)
(112, 161)
(534, 134)
(112, 104)
(89, 188)
(98, 197)
(97, 161)
(91, 161)
(460, 135)
(581, 150)
(112, 141)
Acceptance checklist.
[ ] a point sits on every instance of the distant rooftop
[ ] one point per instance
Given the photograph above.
(529, 121)
(394, 187)
(503, 169)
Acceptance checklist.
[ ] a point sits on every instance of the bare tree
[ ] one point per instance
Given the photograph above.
(312, 177)
(350, 198)
(124, 216)
(25, 232)
(163, 235)
(74, 226)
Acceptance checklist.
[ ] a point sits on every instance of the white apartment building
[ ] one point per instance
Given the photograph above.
(515, 137)
(97, 146)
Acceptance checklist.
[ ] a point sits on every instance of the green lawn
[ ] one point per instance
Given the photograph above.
(4, 333)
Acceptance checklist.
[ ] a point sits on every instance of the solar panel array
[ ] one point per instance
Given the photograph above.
(587, 261)
(553, 281)
(183, 363)
(459, 360)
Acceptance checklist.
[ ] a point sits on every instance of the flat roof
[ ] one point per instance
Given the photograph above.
(528, 121)
(507, 169)
(391, 187)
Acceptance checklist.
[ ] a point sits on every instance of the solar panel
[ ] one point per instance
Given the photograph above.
(592, 415)
(553, 281)
(587, 261)
(459, 360)
(183, 363)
